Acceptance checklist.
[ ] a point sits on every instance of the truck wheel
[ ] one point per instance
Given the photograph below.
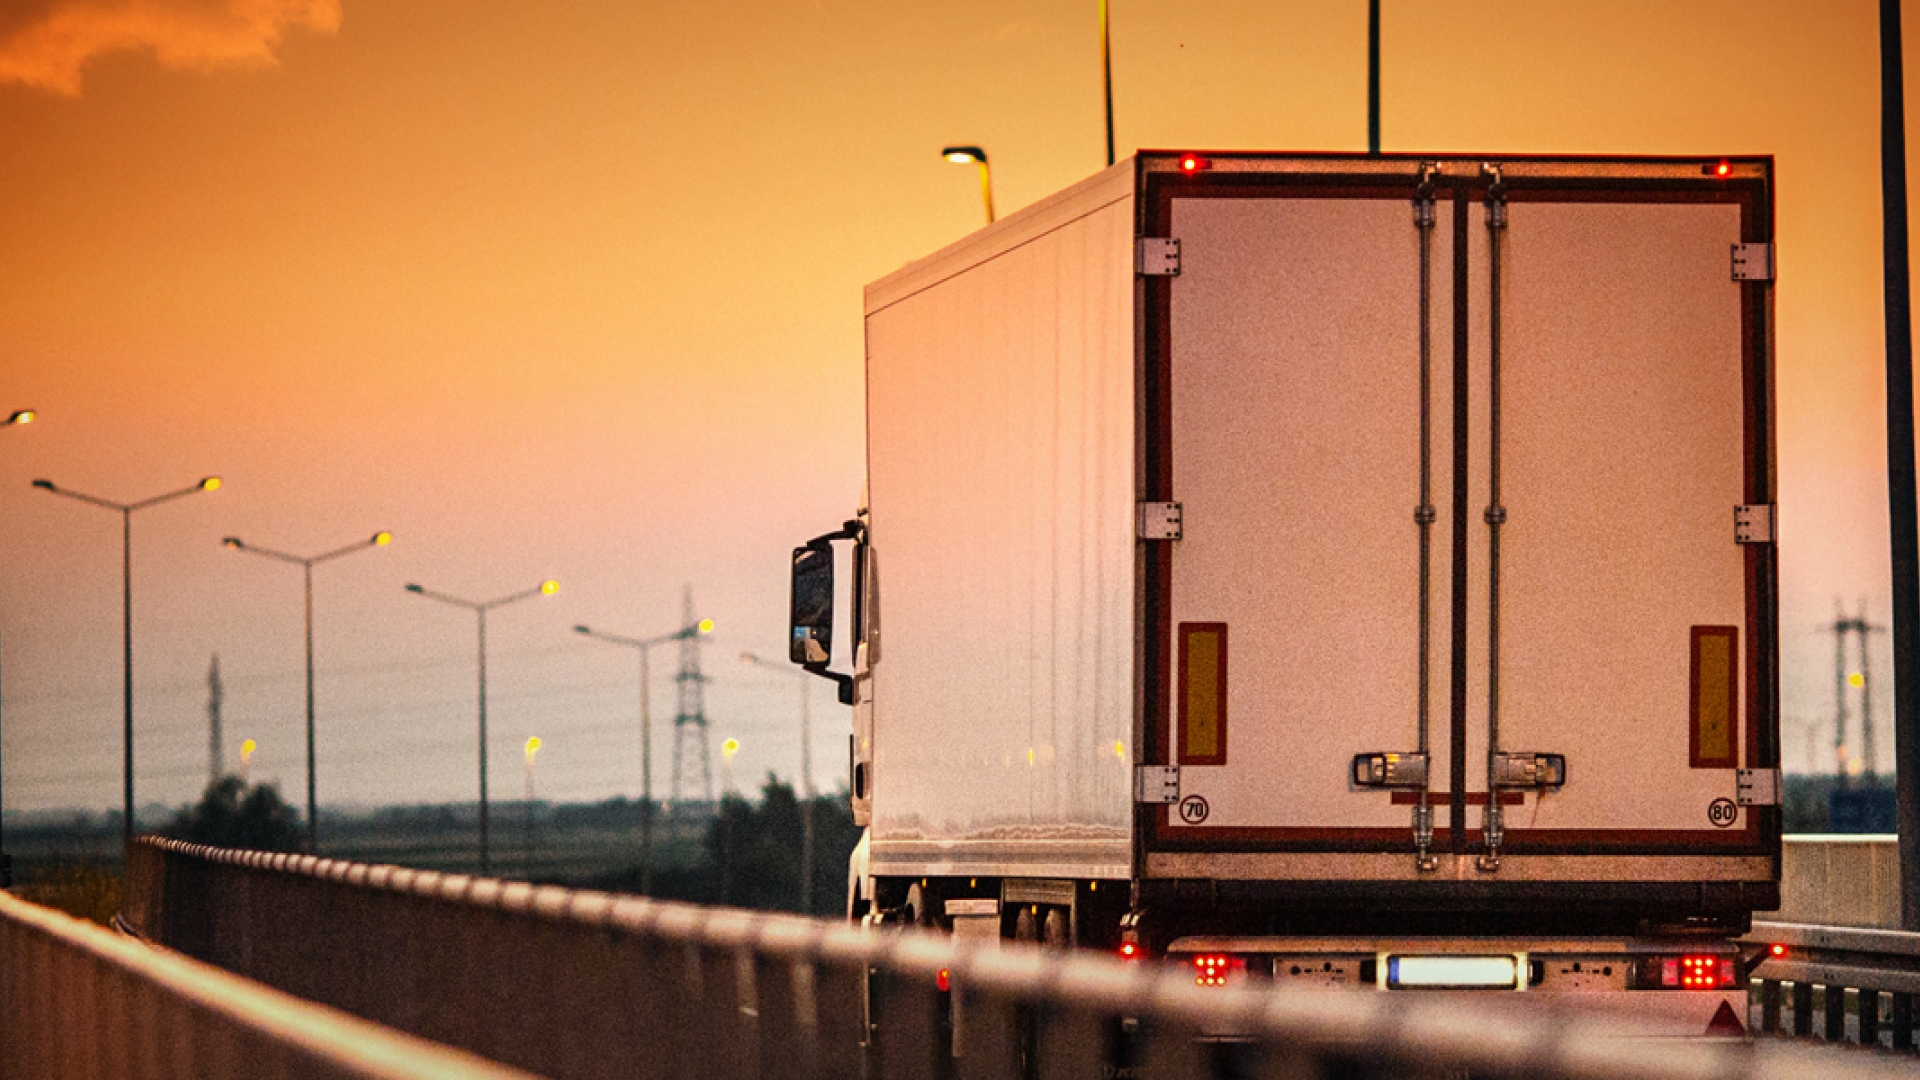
(1024, 928)
(919, 910)
(1058, 933)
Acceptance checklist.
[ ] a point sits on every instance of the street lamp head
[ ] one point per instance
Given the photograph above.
(749, 659)
(582, 630)
(533, 747)
(549, 587)
(23, 416)
(411, 587)
(964, 155)
(382, 538)
(233, 542)
(730, 748)
(210, 483)
(706, 626)
(45, 485)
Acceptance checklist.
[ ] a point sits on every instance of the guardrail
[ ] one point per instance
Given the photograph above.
(580, 984)
(1859, 983)
(79, 1001)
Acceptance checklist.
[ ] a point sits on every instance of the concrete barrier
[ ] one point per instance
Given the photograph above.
(80, 1002)
(1840, 880)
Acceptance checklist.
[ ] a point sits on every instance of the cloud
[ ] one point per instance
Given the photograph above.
(46, 43)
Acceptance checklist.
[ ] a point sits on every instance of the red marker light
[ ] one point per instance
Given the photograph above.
(1192, 163)
(1129, 950)
(943, 980)
(1776, 951)
(1212, 969)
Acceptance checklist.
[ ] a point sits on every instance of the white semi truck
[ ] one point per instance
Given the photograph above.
(1333, 569)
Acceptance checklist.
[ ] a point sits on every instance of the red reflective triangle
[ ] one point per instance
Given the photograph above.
(1726, 1023)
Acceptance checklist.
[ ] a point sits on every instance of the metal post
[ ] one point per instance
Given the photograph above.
(1900, 464)
(1373, 77)
(6, 864)
(646, 776)
(806, 794)
(126, 629)
(1106, 75)
(481, 612)
(313, 811)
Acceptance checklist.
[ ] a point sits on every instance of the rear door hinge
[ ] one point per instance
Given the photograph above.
(1156, 256)
(1753, 262)
(1159, 521)
(1756, 787)
(1753, 524)
(1156, 785)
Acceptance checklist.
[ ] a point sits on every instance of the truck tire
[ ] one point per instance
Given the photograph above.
(1024, 925)
(1058, 931)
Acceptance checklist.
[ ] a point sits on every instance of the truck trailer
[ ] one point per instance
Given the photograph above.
(1344, 570)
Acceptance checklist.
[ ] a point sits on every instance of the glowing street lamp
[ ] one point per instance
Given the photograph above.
(806, 772)
(532, 748)
(961, 155)
(23, 416)
(306, 564)
(727, 750)
(480, 609)
(246, 760)
(125, 510)
(645, 645)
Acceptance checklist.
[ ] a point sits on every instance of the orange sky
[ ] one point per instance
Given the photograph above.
(574, 290)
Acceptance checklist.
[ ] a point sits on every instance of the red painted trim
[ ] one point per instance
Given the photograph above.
(1474, 798)
(1695, 758)
(1187, 631)
(1529, 841)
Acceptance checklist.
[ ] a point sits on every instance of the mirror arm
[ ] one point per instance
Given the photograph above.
(851, 530)
(839, 679)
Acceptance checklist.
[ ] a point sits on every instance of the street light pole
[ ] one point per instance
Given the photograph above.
(125, 510)
(806, 773)
(306, 564)
(20, 416)
(480, 609)
(1106, 75)
(645, 647)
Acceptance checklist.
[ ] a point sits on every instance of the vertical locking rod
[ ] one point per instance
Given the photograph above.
(1424, 514)
(1496, 516)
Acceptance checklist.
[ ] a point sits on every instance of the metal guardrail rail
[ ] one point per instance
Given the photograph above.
(1835, 973)
(78, 1001)
(580, 984)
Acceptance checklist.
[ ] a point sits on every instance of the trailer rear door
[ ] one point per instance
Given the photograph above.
(1284, 371)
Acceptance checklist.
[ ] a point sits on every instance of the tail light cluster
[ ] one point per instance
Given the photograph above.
(1214, 969)
(1703, 971)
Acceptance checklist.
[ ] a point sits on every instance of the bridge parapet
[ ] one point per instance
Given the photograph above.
(572, 984)
(78, 1001)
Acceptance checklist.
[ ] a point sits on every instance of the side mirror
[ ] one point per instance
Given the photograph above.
(810, 618)
(811, 642)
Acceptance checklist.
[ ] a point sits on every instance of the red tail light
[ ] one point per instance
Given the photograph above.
(1777, 951)
(944, 980)
(1129, 950)
(1213, 969)
(1697, 972)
